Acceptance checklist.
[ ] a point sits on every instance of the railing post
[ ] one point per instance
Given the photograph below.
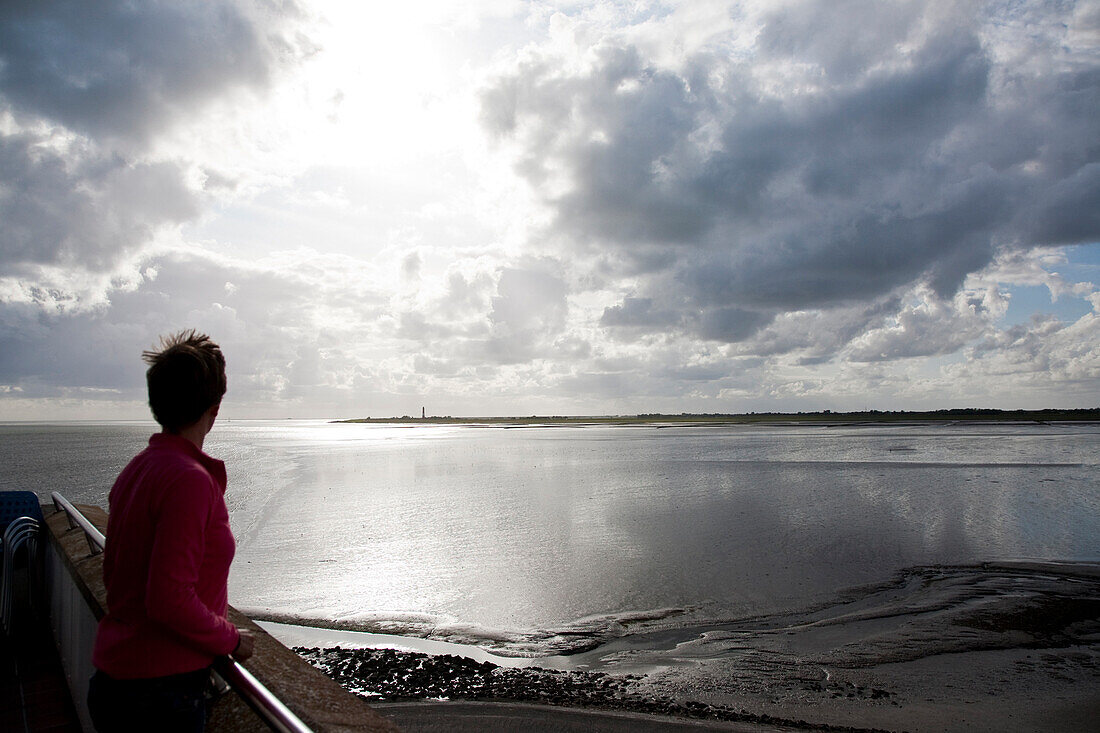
(96, 539)
(93, 548)
(58, 507)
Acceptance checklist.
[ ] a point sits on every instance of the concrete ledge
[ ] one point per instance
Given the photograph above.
(321, 703)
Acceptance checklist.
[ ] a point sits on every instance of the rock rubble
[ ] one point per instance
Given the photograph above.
(386, 675)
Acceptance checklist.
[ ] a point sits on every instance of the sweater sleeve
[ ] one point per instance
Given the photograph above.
(178, 548)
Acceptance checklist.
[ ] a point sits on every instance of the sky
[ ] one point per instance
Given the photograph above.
(552, 208)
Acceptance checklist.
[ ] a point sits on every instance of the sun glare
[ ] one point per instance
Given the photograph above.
(382, 86)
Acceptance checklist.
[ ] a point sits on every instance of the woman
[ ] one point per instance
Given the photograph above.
(169, 547)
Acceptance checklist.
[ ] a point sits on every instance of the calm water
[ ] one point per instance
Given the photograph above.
(530, 536)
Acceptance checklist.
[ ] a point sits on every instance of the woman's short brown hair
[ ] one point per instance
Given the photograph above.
(186, 377)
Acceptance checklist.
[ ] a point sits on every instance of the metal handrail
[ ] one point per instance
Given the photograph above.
(96, 539)
(264, 702)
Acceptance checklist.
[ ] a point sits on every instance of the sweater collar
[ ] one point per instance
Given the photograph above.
(214, 467)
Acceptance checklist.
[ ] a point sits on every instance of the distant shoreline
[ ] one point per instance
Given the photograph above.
(825, 417)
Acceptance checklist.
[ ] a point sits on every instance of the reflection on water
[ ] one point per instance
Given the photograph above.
(460, 532)
(457, 532)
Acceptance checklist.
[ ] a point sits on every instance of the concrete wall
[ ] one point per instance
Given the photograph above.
(78, 599)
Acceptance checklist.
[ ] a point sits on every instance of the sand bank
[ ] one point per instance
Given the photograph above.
(997, 646)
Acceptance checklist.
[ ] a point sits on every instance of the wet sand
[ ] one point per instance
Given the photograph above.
(998, 646)
(1007, 690)
(1003, 690)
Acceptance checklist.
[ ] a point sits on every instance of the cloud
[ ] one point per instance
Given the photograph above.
(528, 311)
(289, 327)
(85, 92)
(817, 336)
(826, 165)
(638, 313)
(124, 71)
(1041, 362)
(308, 333)
(80, 208)
(1033, 267)
(752, 205)
(930, 327)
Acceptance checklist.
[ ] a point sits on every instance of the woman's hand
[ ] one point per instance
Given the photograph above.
(245, 646)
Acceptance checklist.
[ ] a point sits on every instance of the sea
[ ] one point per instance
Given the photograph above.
(552, 540)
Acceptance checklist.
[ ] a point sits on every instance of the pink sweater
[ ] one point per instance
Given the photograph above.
(167, 559)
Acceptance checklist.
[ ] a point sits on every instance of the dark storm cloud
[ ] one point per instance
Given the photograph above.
(123, 69)
(1069, 211)
(641, 315)
(638, 313)
(42, 355)
(88, 86)
(910, 155)
(730, 324)
(617, 194)
(81, 208)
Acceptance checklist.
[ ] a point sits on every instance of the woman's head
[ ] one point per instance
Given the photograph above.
(186, 377)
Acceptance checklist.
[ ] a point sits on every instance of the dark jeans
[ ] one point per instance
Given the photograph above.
(176, 703)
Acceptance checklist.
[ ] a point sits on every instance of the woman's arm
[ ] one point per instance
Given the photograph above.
(179, 545)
